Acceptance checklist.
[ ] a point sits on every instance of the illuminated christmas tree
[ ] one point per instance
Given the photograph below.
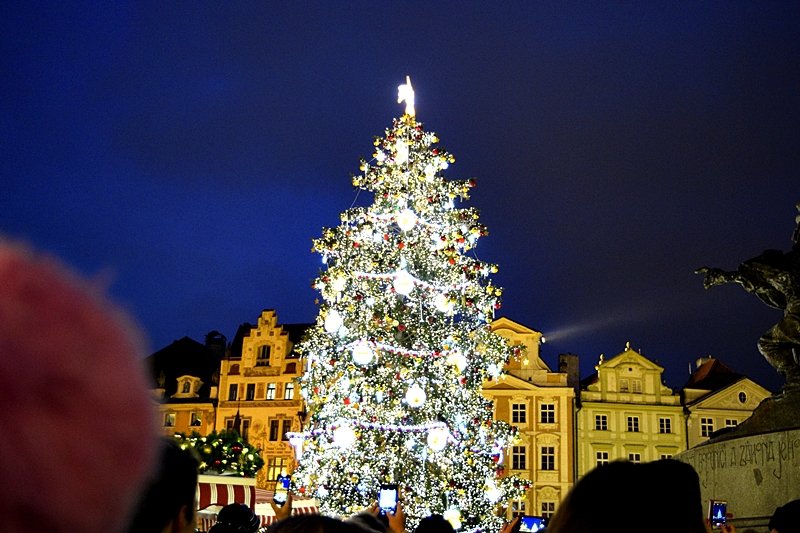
(402, 345)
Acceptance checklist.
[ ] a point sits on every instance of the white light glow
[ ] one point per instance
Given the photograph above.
(437, 439)
(333, 321)
(403, 283)
(362, 354)
(406, 219)
(344, 436)
(415, 396)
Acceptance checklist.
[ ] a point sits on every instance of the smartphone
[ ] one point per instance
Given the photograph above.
(718, 513)
(529, 523)
(387, 498)
(281, 490)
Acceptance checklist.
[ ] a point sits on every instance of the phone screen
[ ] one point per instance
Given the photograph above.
(281, 489)
(387, 499)
(717, 513)
(529, 523)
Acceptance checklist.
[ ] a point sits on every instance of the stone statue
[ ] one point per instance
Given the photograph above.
(774, 277)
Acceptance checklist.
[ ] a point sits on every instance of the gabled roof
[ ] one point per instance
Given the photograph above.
(184, 357)
(712, 375)
(506, 323)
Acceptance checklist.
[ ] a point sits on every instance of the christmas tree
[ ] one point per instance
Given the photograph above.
(402, 346)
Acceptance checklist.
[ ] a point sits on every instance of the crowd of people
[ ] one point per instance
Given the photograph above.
(72, 358)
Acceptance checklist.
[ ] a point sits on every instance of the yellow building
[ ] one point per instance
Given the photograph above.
(185, 376)
(716, 398)
(540, 403)
(626, 412)
(258, 392)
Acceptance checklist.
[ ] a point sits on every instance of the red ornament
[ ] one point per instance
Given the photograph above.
(356, 244)
(401, 327)
(435, 151)
(401, 245)
(347, 401)
(498, 305)
(452, 261)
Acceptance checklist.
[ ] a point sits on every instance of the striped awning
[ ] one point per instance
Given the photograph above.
(208, 516)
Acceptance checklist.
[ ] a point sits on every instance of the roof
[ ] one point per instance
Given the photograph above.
(712, 375)
(184, 357)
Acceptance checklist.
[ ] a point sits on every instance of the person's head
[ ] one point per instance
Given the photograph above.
(314, 523)
(168, 504)
(786, 518)
(236, 518)
(369, 521)
(434, 523)
(624, 497)
(80, 432)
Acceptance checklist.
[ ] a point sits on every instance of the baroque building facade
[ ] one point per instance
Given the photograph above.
(185, 375)
(626, 412)
(540, 404)
(717, 399)
(258, 395)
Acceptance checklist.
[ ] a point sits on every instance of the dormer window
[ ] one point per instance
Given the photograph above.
(262, 356)
(188, 387)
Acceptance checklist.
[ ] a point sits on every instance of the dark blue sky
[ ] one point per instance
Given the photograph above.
(187, 153)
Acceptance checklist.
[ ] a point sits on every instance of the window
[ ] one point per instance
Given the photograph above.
(291, 368)
(273, 430)
(270, 391)
(262, 356)
(665, 456)
(601, 458)
(275, 467)
(250, 395)
(286, 427)
(195, 419)
(742, 397)
(635, 457)
(664, 425)
(548, 509)
(518, 413)
(548, 457)
(288, 391)
(187, 387)
(636, 385)
(601, 422)
(518, 507)
(233, 391)
(234, 371)
(169, 420)
(244, 426)
(731, 422)
(518, 458)
(633, 424)
(623, 385)
(547, 413)
(706, 427)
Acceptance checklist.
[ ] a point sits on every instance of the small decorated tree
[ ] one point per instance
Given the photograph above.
(402, 346)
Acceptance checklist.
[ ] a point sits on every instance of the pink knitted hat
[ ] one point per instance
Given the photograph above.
(77, 426)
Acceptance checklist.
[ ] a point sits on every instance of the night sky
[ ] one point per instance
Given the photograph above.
(185, 154)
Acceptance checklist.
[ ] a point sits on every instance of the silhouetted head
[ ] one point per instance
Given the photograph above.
(170, 496)
(434, 523)
(236, 518)
(786, 518)
(658, 497)
(314, 523)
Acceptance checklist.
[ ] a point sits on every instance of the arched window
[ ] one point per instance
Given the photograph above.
(187, 387)
(234, 371)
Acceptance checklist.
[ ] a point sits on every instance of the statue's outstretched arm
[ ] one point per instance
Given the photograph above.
(716, 276)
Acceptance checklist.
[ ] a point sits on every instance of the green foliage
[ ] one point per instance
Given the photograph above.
(223, 453)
